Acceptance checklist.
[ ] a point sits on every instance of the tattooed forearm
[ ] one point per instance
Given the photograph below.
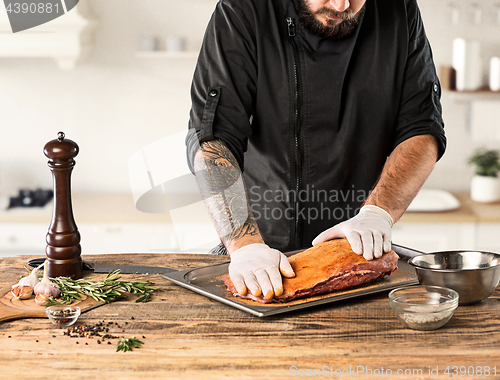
(221, 184)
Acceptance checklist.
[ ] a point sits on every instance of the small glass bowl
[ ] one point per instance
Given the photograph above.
(423, 307)
(63, 315)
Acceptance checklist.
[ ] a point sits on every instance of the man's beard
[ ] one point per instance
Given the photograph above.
(332, 29)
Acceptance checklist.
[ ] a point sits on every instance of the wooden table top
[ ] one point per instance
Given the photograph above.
(187, 335)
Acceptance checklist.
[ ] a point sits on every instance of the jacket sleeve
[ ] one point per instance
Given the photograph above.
(224, 83)
(420, 107)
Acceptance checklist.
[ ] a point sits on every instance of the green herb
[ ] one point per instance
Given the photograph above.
(126, 344)
(107, 290)
(487, 162)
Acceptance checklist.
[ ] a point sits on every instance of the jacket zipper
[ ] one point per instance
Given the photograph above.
(297, 135)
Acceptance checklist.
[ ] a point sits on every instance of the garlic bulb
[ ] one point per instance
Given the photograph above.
(31, 280)
(24, 288)
(45, 289)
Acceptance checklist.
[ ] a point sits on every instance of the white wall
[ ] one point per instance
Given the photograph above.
(452, 172)
(113, 104)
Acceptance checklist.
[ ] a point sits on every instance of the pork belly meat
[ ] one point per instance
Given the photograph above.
(329, 266)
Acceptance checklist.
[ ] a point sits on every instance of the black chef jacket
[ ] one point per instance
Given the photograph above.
(312, 120)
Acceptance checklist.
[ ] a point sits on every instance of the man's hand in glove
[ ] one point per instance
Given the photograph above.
(257, 267)
(369, 232)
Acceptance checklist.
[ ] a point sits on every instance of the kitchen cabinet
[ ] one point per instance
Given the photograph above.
(472, 226)
(488, 237)
(22, 238)
(126, 237)
(29, 238)
(432, 237)
(108, 223)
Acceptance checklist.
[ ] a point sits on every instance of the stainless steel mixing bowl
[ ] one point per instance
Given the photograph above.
(474, 275)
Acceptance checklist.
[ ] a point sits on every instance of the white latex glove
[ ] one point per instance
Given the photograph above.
(369, 232)
(257, 267)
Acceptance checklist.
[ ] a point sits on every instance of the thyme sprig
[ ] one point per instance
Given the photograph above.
(107, 290)
(126, 344)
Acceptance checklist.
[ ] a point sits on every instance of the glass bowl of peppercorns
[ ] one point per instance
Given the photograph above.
(63, 315)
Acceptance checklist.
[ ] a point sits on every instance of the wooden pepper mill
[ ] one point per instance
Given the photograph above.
(63, 239)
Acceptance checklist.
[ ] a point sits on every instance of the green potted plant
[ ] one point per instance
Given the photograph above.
(485, 186)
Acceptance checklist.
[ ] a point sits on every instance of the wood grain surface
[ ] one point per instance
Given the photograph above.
(188, 336)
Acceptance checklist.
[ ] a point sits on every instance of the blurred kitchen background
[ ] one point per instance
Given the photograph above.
(119, 83)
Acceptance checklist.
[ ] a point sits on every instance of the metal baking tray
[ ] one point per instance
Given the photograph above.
(208, 282)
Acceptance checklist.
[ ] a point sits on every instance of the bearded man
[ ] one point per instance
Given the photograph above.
(311, 120)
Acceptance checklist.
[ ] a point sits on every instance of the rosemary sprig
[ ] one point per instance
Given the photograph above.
(107, 290)
(126, 344)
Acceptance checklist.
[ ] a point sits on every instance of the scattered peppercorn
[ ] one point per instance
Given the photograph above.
(98, 342)
(109, 336)
(9, 336)
(90, 331)
(37, 340)
(132, 318)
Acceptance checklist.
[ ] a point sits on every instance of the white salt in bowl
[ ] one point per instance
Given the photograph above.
(423, 307)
